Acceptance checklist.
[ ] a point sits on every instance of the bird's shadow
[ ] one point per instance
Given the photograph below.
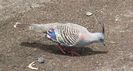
(83, 51)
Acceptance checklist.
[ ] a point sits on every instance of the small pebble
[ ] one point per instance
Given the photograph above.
(40, 60)
(89, 13)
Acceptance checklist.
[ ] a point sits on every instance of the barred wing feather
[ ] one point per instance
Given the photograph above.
(68, 34)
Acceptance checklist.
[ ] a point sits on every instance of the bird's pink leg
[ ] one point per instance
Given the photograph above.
(61, 49)
(72, 51)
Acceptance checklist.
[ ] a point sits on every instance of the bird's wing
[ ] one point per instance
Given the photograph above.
(68, 34)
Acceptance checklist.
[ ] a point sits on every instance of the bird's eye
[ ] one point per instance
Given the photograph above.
(101, 40)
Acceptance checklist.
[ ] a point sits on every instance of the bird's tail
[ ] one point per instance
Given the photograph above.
(21, 26)
(34, 27)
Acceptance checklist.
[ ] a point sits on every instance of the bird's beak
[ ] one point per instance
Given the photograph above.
(103, 44)
(102, 41)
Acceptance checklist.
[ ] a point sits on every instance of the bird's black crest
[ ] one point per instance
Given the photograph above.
(103, 29)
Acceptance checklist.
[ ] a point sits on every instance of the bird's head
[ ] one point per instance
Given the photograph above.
(99, 36)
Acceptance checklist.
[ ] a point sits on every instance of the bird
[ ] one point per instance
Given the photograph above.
(66, 34)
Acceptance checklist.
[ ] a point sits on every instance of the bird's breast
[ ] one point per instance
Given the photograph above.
(82, 43)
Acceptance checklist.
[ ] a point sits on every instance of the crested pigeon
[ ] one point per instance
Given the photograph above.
(67, 34)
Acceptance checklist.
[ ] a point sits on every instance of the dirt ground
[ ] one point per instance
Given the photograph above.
(18, 48)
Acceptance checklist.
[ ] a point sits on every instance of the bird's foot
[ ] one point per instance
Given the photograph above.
(68, 50)
(72, 51)
(61, 49)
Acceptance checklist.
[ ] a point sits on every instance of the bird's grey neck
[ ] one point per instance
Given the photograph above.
(94, 37)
